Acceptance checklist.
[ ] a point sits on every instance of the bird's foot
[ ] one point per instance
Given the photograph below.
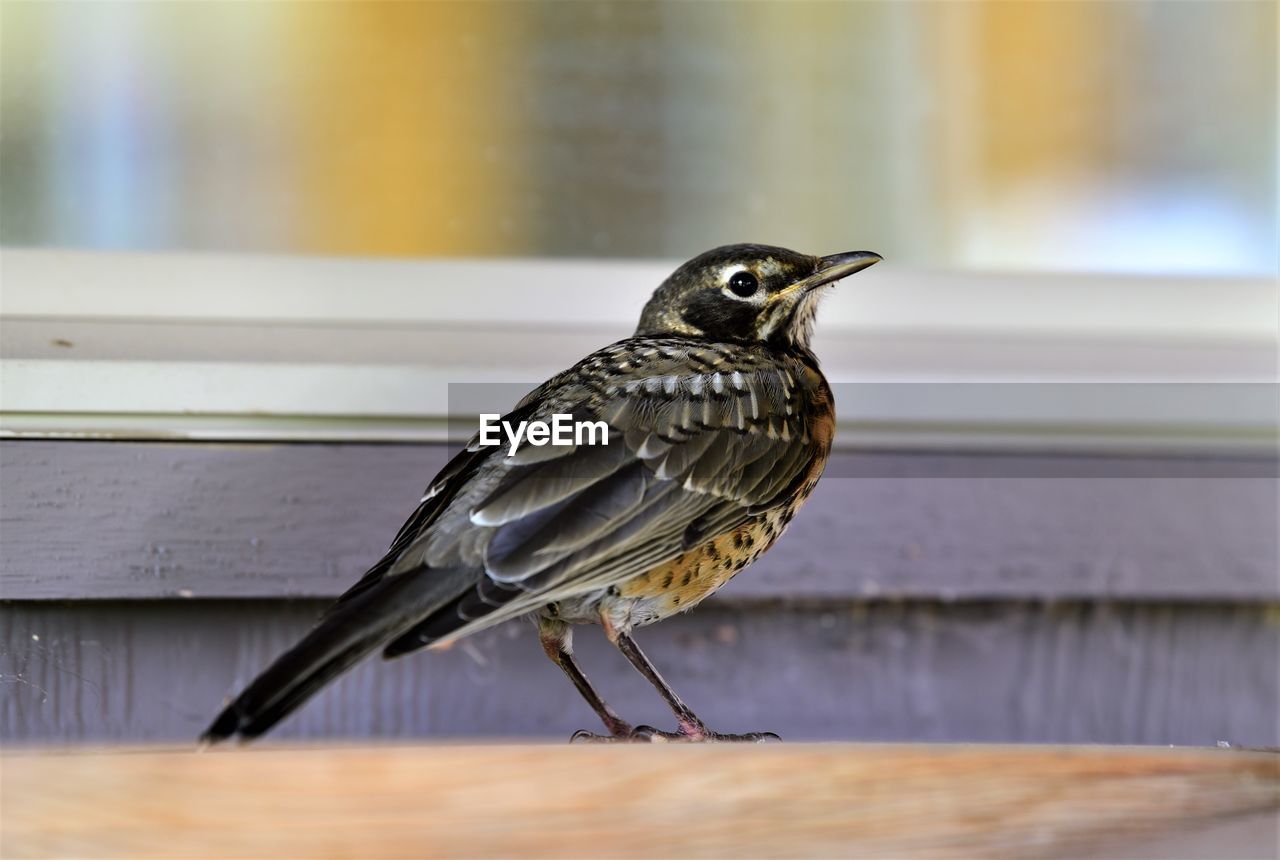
(690, 733)
(627, 735)
(746, 738)
(698, 733)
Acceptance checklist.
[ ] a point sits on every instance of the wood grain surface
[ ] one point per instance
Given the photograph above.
(110, 520)
(599, 801)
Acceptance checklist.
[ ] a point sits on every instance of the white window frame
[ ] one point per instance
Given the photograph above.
(205, 346)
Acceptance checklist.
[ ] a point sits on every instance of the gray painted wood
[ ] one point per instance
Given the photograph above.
(1057, 673)
(106, 520)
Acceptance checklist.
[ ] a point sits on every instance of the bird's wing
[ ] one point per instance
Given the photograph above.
(435, 500)
(700, 439)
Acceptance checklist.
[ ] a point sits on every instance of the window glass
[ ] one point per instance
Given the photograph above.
(1120, 136)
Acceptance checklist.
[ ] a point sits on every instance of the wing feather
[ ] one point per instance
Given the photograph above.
(697, 434)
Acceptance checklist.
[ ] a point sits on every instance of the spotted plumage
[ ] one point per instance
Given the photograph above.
(719, 423)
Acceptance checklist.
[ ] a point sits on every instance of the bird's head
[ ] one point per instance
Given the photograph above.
(747, 293)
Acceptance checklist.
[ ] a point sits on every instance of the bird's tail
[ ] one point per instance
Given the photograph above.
(350, 630)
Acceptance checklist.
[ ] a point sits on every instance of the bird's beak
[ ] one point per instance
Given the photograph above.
(835, 267)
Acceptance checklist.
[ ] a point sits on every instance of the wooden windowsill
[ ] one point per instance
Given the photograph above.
(599, 801)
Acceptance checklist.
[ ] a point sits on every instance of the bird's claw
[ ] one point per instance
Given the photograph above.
(639, 734)
(753, 738)
(582, 736)
(704, 735)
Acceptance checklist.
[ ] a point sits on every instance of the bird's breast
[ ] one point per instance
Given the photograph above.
(697, 573)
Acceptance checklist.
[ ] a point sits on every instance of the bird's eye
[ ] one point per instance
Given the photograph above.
(743, 284)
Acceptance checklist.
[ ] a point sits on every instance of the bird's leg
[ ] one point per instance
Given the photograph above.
(557, 641)
(691, 727)
(690, 724)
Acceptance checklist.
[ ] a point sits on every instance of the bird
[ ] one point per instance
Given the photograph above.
(719, 424)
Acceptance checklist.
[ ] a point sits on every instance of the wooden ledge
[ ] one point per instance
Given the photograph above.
(603, 801)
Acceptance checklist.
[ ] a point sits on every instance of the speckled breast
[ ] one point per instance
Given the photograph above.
(694, 575)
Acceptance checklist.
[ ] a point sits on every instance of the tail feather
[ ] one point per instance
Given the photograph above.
(351, 630)
(473, 604)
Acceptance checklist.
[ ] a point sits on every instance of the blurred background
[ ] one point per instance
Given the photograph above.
(1113, 137)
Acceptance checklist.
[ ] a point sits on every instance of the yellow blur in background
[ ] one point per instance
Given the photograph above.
(1108, 136)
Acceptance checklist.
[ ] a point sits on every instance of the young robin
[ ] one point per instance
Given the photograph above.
(719, 423)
